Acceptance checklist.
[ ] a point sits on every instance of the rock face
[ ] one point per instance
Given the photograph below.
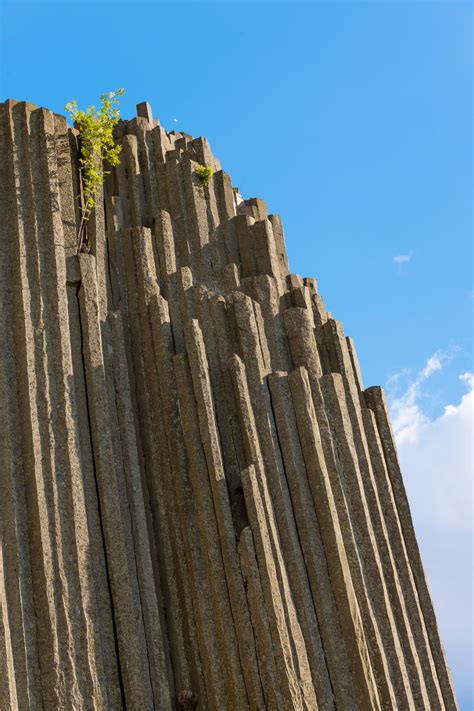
(201, 506)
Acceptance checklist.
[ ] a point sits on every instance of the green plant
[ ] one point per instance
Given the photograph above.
(205, 174)
(235, 189)
(97, 146)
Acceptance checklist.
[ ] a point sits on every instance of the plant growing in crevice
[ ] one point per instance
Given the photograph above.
(97, 147)
(205, 173)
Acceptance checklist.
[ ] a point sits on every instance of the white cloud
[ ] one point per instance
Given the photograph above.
(436, 457)
(403, 258)
(433, 364)
(468, 378)
(407, 414)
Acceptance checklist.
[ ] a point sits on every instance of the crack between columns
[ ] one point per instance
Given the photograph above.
(109, 587)
(134, 545)
(272, 409)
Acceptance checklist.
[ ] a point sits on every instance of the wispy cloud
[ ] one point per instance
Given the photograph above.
(434, 363)
(395, 378)
(407, 413)
(403, 258)
(436, 456)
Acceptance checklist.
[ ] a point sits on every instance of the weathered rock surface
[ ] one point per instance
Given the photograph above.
(200, 505)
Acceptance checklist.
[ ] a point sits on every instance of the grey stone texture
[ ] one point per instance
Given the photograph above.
(201, 507)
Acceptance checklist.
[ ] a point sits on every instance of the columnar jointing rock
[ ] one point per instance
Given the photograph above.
(201, 506)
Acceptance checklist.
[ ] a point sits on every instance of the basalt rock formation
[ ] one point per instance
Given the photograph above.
(201, 506)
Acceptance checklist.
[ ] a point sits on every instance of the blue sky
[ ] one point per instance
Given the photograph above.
(354, 121)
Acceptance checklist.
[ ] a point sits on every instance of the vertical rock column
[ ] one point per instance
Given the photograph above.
(201, 507)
